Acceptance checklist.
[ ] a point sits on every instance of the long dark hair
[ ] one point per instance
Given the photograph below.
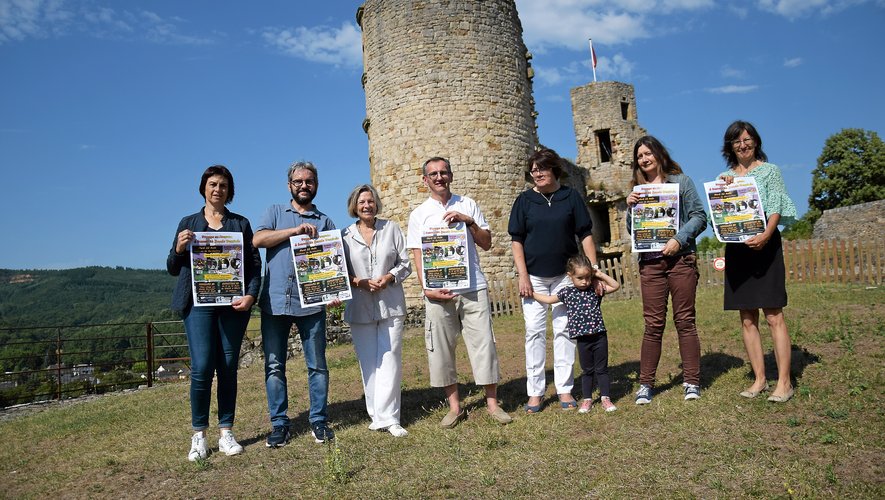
(732, 133)
(668, 166)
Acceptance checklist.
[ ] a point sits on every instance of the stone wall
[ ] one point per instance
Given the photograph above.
(864, 221)
(602, 108)
(448, 78)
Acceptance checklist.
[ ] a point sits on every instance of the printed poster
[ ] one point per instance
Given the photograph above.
(736, 209)
(445, 257)
(655, 217)
(217, 268)
(320, 268)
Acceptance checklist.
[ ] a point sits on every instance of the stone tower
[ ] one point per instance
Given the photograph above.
(606, 129)
(448, 78)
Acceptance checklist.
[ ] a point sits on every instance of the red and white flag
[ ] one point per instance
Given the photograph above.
(593, 59)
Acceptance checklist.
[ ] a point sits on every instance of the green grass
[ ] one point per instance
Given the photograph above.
(827, 441)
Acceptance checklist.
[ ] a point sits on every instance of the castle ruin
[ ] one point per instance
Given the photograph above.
(448, 78)
(453, 78)
(606, 128)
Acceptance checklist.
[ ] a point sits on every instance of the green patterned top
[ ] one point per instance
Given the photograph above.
(773, 192)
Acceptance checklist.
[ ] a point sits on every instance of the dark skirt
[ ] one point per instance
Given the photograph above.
(755, 279)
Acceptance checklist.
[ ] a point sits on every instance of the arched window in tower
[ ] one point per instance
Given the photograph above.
(625, 110)
(603, 138)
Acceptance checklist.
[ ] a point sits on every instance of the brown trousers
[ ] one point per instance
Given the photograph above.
(675, 277)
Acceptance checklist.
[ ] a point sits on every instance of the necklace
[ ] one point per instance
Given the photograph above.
(550, 199)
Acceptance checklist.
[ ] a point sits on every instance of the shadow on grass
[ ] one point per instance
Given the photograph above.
(417, 403)
(800, 358)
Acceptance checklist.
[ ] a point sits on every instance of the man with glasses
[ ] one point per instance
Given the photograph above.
(281, 307)
(449, 314)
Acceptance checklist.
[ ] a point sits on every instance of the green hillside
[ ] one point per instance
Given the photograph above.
(85, 295)
(72, 298)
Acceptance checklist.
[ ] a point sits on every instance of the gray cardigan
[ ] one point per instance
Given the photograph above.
(387, 254)
(692, 216)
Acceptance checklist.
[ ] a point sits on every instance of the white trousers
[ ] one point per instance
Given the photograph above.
(535, 314)
(378, 348)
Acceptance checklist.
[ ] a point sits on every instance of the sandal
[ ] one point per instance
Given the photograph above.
(568, 405)
(532, 409)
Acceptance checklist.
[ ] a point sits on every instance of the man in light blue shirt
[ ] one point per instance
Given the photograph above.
(281, 307)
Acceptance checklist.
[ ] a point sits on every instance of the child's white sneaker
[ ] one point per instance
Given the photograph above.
(607, 404)
(586, 404)
(228, 445)
(199, 450)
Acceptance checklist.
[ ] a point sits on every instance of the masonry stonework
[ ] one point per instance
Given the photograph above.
(863, 221)
(452, 79)
(606, 128)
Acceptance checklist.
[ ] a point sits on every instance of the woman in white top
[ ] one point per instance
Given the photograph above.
(378, 263)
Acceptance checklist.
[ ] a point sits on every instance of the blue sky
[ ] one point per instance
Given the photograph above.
(110, 111)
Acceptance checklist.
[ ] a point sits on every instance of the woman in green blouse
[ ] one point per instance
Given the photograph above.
(755, 277)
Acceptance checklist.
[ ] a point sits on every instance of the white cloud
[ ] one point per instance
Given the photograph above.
(732, 89)
(616, 66)
(23, 19)
(339, 46)
(578, 73)
(792, 63)
(569, 23)
(740, 12)
(729, 72)
(794, 9)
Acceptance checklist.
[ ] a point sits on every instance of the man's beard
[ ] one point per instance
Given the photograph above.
(302, 196)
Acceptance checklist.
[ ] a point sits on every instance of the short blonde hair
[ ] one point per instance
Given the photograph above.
(354, 196)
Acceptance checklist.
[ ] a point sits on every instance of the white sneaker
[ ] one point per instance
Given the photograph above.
(397, 431)
(228, 445)
(199, 450)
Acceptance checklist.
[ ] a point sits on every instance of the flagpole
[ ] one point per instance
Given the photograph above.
(592, 59)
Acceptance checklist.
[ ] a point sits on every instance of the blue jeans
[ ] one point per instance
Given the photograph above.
(274, 340)
(214, 337)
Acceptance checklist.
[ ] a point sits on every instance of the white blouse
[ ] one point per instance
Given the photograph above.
(386, 255)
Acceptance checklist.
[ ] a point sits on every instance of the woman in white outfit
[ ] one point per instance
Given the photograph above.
(378, 263)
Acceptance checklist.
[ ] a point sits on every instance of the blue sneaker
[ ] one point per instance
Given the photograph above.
(322, 432)
(279, 436)
(643, 395)
(691, 391)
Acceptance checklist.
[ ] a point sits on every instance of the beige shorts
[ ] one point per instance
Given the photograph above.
(467, 314)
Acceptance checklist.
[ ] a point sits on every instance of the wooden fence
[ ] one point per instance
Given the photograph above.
(807, 261)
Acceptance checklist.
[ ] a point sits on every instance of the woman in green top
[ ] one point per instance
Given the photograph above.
(754, 270)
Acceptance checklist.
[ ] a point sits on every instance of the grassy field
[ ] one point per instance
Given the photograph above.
(827, 441)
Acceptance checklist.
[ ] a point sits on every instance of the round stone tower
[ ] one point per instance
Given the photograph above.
(448, 78)
(606, 128)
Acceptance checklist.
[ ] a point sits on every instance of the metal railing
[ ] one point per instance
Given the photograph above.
(69, 360)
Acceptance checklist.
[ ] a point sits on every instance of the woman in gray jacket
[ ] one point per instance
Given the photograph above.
(672, 272)
(378, 263)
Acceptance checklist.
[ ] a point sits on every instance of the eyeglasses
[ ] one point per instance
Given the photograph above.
(538, 170)
(746, 142)
(298, 183)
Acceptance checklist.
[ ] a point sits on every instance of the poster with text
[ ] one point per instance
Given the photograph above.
(736, 209)
(217, 268)
(655, 217)
(321, 268)
(445, 258)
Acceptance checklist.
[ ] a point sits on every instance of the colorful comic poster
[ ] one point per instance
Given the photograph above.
(320, 268)
(445, 257)
(217, 268)
(736, 209)
(655, 217)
